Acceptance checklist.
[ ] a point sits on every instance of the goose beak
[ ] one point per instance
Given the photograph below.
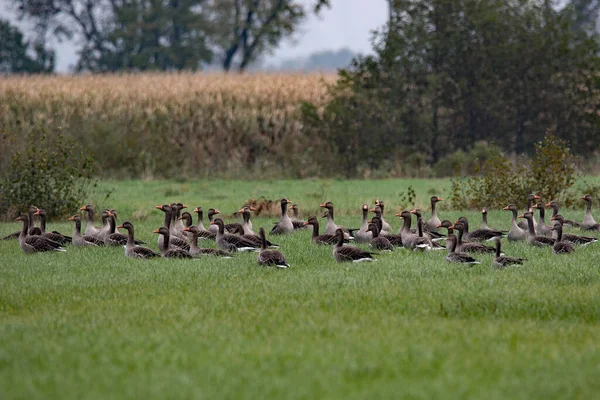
(536, 197)
(196, 210)
(121, 227)
(440, 199)
(505, 208)
(37, 212)
(186, 229)
(553, 218)
(370, 221)
(372, 209)
(547, 205)
(213, 223)
(217, 211)
(19, 219)
(414, 211)
(110, 214)
(241, 210)
(72, 219)
(184, 206)
(180, 218)
(451, 227)
(252, 209)
(158, 207)
(439, 226)
(325, 204)
(289, 201)
(483, 211)
(522, 216)
(582, 197)
(398, 215)
(83, 208)
(156, 231)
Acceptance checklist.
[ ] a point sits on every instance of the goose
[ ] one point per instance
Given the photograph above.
(187, 220)
(424, 242)
(296, 221)
(469, 247)
(448, 225)
(532, 238)
(515, 233)
(114, 238)
(132, 249)
(203, 233)
(176, 223)
(409, 239)
(270, 257)
(239, 230)
(33, 230)
(174, 241)
(285, 224)
(36, 243)
(568, 237)
(530, 199)
(331, 226)
(484, 224)
(434, 221)
(343, 253)
(560, 246)
(541, 228)
(54, 236)
(502, 261)
(196, 251)
(386, 227)
(83, 240)
(379, 214)
(90, 229)
(232, 243)
(434, 236)
(395, 240)
(457, 257)
(478, 234)
(165, 249)
(363, 235)
(211, 215)
(325, 239)
(589, 223)
(247, 225)
(379, 242)
(554, 206)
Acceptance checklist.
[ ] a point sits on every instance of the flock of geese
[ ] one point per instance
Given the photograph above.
(178, 237)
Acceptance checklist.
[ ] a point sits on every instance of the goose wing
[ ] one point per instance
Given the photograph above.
(213, 252)
(40, 243)
(461, 258)
(143, 252)
(484, 234)
(381, 243)
(542, 241)
(326, 239)
(272, 257)
(57, 237)
(351, 253)
(562, 248)
(93, 240)
(505, 261)
(206, 234)
(395, 240)
(179, 243)
(176, 253)
(115, 239)
(12, 236)
(238, 241)
(576, 239)
(476, 248)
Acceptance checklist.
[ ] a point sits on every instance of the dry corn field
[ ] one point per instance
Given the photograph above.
(142, 124)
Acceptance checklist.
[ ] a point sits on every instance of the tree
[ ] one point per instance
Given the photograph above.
(449, 73)
(127, 34)
(249, 28)
(19, 56)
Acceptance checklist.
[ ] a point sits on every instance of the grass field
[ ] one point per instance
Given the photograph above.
(90, 323)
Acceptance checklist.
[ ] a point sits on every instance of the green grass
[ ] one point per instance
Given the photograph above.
(90, 323)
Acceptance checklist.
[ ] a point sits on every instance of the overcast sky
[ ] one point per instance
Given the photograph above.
(347, 24)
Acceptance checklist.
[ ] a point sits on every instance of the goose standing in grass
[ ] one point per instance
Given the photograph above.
(502, 261)
(530, 199)
(363, 235)
(196, 251)
(515, 233)
(83, 240)
(211, 216)
(589, 223)
(379, 242)
(434, 221)
(457, 257)
(395, 240)
(554, 206)
(325, 239)
(387, 228)
(478, 235)
(166, 250)
(90, 229)
(296, 221)
(54, 236)
(285, 224)
(203, 233)
(35, 243)
(532, 238)
(331, 226)
(33, 230)
(232, 243)
(174, 241)
(470, 247)
(379, 214)
(270, 257)
(569, 237)
(541, 228)
(132, 249)
(560, 246)
(343, 253)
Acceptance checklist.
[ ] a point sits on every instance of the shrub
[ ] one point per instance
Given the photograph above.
(53, 174)
(550, 174)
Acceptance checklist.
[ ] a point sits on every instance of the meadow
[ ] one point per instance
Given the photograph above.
(91, 323)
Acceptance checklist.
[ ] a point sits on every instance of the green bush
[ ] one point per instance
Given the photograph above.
(550, 174)
(52, 174)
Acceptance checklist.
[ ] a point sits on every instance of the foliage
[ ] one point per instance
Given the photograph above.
(14, 57)
(461, 163)
(550, 175)
(446, 74)
(51, 172)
